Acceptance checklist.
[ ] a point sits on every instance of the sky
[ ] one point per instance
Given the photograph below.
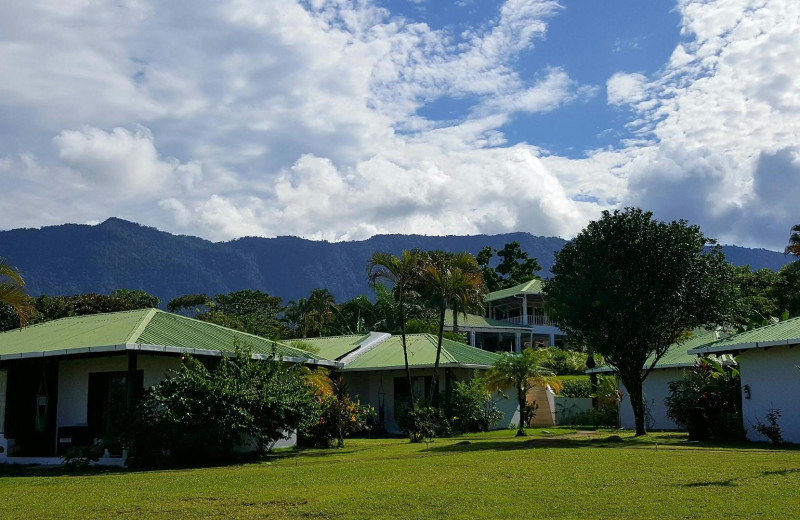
(342, 119)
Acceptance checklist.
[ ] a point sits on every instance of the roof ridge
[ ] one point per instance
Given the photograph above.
(330, 337)
(139, 328)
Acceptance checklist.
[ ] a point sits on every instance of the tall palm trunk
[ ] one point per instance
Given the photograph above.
(405, 352)
(435, 380)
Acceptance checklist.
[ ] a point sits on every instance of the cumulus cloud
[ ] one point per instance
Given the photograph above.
(623, 89)
(226, 119)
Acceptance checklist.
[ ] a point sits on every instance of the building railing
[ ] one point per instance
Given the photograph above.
(533, 319)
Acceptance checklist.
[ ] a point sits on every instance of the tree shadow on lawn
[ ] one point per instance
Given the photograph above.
(522, 443)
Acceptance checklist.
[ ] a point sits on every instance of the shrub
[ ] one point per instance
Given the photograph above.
(564, 362)
(423, 423)
(81, 457)
(202, 415)
(771, 429)
(472, 406)
(338, 416)
(576, 388)
(707, 401)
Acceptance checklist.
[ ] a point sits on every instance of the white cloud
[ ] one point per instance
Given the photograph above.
(266, 118)
(625, 89)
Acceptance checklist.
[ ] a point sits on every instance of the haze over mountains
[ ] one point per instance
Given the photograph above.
(76, 258)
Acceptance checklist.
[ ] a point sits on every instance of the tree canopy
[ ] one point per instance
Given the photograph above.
(629, 286)
(515, 266)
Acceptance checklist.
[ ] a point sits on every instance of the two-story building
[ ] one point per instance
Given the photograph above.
(515, 319)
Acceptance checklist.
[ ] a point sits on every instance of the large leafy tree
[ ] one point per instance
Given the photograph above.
(451, 280)
(793, 248)
(515, 266)
(137, 298)
(12, 292)
(629, 286)
(403, 274)
(521, 372)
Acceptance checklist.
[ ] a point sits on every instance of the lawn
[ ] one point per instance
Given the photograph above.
(551, 474)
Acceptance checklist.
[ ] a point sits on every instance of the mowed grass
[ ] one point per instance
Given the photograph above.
(560, 474)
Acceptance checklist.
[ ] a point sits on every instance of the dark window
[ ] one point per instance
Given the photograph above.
(108, 397)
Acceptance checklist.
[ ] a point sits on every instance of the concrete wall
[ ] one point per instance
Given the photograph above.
(568, 409)
(73, 381)
(656, 389)
(774, 382)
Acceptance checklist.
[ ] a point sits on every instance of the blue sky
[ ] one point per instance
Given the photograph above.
(341, 119)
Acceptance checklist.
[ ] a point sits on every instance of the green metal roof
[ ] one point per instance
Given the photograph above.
(335, 347)
(677, 356)
(479, 322)
(530, 287)
(145, 329)
(421, 353)
(775, 334)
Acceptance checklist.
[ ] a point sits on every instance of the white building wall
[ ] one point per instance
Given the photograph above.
(656, 389)
(73, 381)
(774, 382)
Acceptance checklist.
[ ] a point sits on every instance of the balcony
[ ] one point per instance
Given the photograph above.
(533, 319)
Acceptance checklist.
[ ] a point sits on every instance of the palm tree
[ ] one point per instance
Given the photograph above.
(450, 279)
(320, 302)
(12, 292)
(296, 315)
(403, 273)
(794, 242)
(522, 372)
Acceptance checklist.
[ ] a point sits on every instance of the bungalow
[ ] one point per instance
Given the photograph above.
(768, 364)
(61, 381)
(656, 387)
(374, 368)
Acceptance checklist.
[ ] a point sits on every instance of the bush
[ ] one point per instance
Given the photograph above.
(81, 457)
(707, 401)
(338, 416)
(771, 429)
(564, 362)
(472, 406)
(423, 423)
(576, 388)
(202, 415)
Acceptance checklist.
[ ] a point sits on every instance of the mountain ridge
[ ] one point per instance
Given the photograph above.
(116, 253)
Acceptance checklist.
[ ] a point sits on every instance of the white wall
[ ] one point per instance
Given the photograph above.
(774, 382)
(656, 389)
(73, 381)
(367, 385)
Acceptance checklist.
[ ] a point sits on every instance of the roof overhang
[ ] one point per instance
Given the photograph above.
(735, 348)
(156, 349)
(416, 367)
(508, 330)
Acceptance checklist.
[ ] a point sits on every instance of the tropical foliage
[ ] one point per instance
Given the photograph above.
(521, 372)
(793, 248)
(514, 266)
(707, 401)
(12, 292)
(203, 413)
(472, 407)
(338, 415)
(629, 286)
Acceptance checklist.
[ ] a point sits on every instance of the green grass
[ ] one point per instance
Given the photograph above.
(560, 474)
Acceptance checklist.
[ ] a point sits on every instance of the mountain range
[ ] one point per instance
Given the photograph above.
(115, 254)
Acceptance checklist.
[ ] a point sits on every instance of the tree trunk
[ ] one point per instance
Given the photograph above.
(590, 364)
(636, 396)
(413, 432)
(522, 398)
(435, 380)
(455, 318)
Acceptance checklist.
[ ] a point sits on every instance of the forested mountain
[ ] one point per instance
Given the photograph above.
(74, 258)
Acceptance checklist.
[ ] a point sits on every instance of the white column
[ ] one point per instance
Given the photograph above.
(524, 309)
(552, 339)
(518, 342)
(472, 338)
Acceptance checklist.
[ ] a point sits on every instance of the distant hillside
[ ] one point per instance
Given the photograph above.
(115, 254)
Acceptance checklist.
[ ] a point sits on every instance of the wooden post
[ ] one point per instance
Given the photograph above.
(131, 381)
